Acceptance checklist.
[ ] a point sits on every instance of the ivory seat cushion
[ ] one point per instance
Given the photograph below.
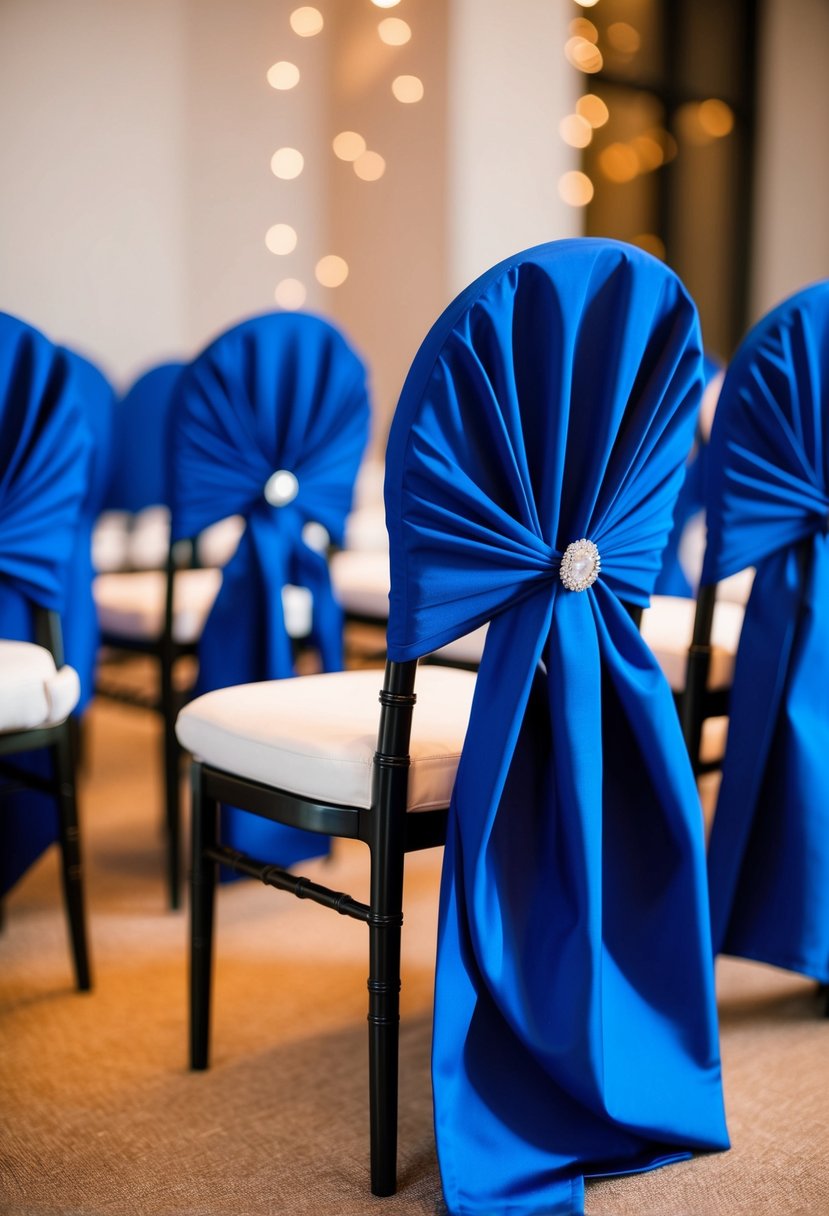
(316, 735)
(131, 605)
(32, 691)
(361, 582)
(667, 627)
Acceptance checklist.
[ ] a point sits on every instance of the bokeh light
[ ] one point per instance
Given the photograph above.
(619, 163)
(623, 37)
(575, 131)
(583, 55)
(287, 163)
(283, 75)
(716, 118)
(370, 167)
(394, 31)
(575, 188)
(331, 270)
(281, 238)
(306, 21)
(593, 109)
(407, 89)
(290, 293)
(348, 145)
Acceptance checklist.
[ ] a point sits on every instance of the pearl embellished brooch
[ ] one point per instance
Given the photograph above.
(580, 565)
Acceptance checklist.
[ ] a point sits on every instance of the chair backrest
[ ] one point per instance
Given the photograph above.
(270, 423)
(45, 452)
(768, 507)
(140, 442)
(532, 468)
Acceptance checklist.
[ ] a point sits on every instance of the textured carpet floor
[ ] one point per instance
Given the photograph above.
(99, 1115)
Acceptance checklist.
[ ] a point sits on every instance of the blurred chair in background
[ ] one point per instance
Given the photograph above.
(271, 425)
(45, 454)
(767, 506)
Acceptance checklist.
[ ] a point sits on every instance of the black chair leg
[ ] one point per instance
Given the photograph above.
(172, 778)
(385, 925)
(202, 899)
(69, 835)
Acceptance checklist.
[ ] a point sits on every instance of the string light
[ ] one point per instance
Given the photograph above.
(575, 188)
(394, 31)
(290, 293)
(593, 109)
(407, 89)
(331, 271)
(281, 238)
(287, 163)
(575, 131)
(348, 145)
(370, 167)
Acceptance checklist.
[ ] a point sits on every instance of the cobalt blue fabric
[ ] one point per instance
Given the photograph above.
(768, 507)
(673, 578)
(45, 449)
(282, 391)
(575, 1026)
(81, 634)
(140, 464)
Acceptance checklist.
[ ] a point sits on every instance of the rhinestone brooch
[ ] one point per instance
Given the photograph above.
(580, 565)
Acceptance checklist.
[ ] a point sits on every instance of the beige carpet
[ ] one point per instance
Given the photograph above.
(98, 1113)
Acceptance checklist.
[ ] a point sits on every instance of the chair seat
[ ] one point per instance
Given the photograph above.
(361, 582)
(32, 691)
(316, 735)
(365, 530)
(131, 605)
(667, 627)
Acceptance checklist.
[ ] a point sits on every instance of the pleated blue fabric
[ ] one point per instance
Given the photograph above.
(673, 578)
(81, 634)
(768, 507)
(281, 392)
(45, 450)
(140, 460)
(575, 1026)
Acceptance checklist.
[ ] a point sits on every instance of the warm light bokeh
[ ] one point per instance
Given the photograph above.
(306, 21)
(331, 270)
(575, 188)
(283, 75)
(281, 238)
(290, 293)
(287, 163)
(407, 89)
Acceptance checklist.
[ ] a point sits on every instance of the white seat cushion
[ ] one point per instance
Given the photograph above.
(132, 605)
(149, 539)
(667, 627)
(365, 528)
(110, 541)
(361, 582)
(467, 649)
(316, 735)
(218, 543)
(32, 692)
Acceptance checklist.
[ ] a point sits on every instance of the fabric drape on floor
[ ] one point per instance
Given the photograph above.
(281, 392)
(768, 506)
(575, 1028)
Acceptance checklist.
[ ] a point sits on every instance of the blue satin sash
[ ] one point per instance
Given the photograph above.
(45, 449)
(283, 391)
(140, 461)
(768, 507)
(81, 634)
(575, 1025)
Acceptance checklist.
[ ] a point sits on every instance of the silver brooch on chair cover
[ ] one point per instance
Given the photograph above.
(281, 488)
(580, 565)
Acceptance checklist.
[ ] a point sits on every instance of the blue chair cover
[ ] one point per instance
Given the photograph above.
(280, 391)
(140, 462)
(575, 1026)
(45, 449)
(768, 507)
(81, 634)
(672, 578)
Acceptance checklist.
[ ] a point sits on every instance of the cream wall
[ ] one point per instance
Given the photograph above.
(791, 236)
(137, 138)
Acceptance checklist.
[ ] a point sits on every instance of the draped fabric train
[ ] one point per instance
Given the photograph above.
(768, 506)
(575, 1025)
(282, 391)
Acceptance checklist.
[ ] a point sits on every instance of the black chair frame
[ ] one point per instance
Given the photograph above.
(60, 740)
(166, 651)
(389, 831)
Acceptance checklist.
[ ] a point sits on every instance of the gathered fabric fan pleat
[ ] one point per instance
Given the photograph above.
(575, 1026)
(45, 453)
(768, 507)
(281, 392)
